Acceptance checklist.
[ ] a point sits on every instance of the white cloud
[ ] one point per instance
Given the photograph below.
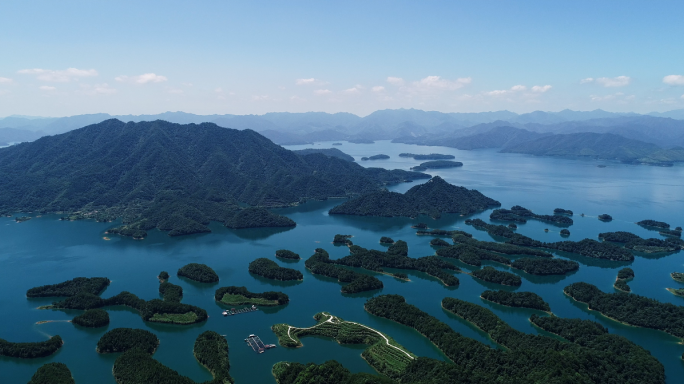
(261, 98)
(541, 88)
(610, 82)
(436, 82)
(587, 80)
(59, 76)
(5, 80)
(518, 88)
(310, 81)
(104, 89)
(175, 91)
(674, 80)
(499, 92)
(321, 92)
(395, 80)
(378, 88)
(47, 88)
(142, 79)
(351, 91)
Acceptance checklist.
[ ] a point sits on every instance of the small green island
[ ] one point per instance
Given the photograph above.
(605, 217)
(163, 276)
(517, 299)
(52, 373)
(623, 276)
(270, 270)
(437, 164)
(321, 264)
(170, 310)
(493, 275)
(21, 219)
(502, 248)
(437, 242)
(92, 285)
(638, 244)
(431, 156)
(520, 214)
(31, 350)
(383, 353)
(545, 266)
(124, 339)
(241, 296)
(565, 232)
(136, 365)
(677, 276)
(286, 254)
(92, 318)
(654, 224)
(594, 249)
(631, 309)
(471, 255)
(386, 240)
(677, 232)
(432, 198)
(441, 232)
(561, 211)
(200, 273)
(254, 217)
(342, 239)
(375, 157)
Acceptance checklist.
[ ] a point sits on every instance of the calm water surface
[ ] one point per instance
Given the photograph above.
(45, 251)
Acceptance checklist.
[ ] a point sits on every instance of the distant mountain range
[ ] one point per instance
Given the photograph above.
(174, 177)
(501, 129)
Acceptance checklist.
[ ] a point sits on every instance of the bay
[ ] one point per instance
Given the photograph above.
(45, 250)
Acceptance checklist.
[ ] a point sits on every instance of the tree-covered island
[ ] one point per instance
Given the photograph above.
(623, 276)
(545, 266)
(605, 217)
(654, 224)
(286, 254)
(124, 339)
(201, 273)
(636, 243)
(437, 164)
(241, 296)
(92, 318)
(321, 264)
(92, 285)
(375, 157)
(270, 270)
(520, 214)
(52, 373)
(31, 350)
(517, 299)
(431, 156)
(493, 275)
(432, 198)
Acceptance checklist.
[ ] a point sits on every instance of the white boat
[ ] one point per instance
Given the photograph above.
(225, 313)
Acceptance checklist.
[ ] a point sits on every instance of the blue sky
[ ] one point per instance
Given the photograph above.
(73, 57)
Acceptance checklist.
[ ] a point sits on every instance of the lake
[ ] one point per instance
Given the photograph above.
(45, 250)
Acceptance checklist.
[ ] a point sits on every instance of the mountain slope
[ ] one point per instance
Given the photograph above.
(598, 145)
(433, 198)
(170, 176)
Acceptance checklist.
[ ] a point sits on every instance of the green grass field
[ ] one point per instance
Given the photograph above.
(384, 354)
(230, 299)
(174, 318)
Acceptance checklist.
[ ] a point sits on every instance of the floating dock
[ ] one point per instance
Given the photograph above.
(257, 345)
(234, 311)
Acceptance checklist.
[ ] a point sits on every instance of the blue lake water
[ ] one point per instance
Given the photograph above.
(45, 250)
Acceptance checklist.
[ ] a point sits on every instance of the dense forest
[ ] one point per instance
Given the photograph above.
(527, 358)
(240, 296)
(493, 275)
(386, 240)
(654, 224)
(574, 330)
(327, 373)
(342, 239)
(471, 255)
(171, 292)
(431, 198)
(286, 254)
(201, 273)
(521, 215)
(632, 309)
(503, 248)
(605, 217)
(396, 256)
(211, 350)
(270, 270)
(92, 318)
(169, 176)
(30, 350)
(320, 264)
(437, 242)
(677, 276)
(124, 339)
(545, 266)
(52, 373)
(93, 285)
(431, 156)
(437, 164)
(517, 299)
(636, 243)
(594, 249)
(163, 276)
(625, 273)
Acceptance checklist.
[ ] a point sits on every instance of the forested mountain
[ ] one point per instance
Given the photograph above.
(330, 152)
(598, 145)
(174, 177)
(431, 198)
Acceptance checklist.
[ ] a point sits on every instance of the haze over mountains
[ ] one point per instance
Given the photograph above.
(502, 129)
